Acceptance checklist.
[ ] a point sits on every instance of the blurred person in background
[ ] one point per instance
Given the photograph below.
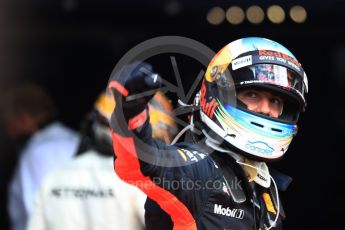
(30, 120)
(86, 193)
(161, 118)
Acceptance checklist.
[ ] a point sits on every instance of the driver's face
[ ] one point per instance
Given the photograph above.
(262, 101)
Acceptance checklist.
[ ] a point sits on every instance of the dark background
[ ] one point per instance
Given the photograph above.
(71, 46)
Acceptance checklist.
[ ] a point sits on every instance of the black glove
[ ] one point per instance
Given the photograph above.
(141, 83)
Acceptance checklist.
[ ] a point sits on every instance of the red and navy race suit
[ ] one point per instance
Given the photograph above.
(196, 194)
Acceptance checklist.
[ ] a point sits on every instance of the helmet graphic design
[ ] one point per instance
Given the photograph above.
(253, 62)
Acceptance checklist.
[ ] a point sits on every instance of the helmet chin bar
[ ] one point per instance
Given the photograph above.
(255, 137)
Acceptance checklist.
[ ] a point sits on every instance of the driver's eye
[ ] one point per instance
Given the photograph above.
(251, 94)
(277, 101)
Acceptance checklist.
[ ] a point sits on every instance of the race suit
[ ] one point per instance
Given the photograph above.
(194, 188)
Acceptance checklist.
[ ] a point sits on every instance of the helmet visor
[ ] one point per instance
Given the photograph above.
(270, 74)
(287, 83)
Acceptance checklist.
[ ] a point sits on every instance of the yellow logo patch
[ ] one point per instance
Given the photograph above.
(268, 202)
